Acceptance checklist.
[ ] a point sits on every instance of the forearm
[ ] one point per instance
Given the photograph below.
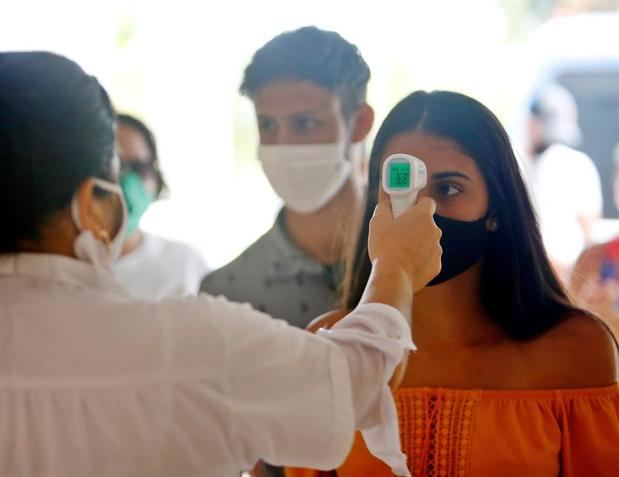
(389, 284)
(383, 337)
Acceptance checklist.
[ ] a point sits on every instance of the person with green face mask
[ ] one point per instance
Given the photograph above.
(138, 198)
(151, 267)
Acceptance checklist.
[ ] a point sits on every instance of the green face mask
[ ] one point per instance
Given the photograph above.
(137, 197)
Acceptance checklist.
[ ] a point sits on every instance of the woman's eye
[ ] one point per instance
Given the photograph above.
(449, 190)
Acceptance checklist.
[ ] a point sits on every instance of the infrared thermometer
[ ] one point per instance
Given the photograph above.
(403, 177)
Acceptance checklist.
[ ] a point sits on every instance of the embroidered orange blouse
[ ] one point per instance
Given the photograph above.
(463, 433)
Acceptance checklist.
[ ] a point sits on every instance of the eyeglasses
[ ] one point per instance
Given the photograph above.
(140, 168)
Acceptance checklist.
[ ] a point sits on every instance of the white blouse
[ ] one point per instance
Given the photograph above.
(160, 268)
(93, 383)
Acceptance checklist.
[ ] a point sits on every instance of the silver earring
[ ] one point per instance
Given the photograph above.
(493, 225)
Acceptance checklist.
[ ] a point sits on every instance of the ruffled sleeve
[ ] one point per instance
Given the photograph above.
(590, 430)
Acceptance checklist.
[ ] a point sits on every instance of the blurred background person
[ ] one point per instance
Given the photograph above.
(151, 267)
(595, 278)
(309, 88)
(564, 182)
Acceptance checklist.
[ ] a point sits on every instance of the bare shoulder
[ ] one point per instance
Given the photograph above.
(590, 259)
(589, 262)
(579, 352)
(586, 268)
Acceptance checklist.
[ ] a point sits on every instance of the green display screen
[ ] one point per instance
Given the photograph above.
(400, 175)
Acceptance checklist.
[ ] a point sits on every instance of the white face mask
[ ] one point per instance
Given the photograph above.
(86, 245)
(306, 176)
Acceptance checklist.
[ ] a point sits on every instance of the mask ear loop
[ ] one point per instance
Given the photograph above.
(113, 188)
(101, 234)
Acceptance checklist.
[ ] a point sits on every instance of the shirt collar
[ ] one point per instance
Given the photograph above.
(59, 268)
(290, 261)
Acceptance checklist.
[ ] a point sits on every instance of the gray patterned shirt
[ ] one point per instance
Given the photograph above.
(275, 277)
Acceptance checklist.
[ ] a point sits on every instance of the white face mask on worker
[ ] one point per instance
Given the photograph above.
(306, 176)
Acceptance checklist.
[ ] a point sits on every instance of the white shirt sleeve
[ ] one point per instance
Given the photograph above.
(291, 393)
(374, 339)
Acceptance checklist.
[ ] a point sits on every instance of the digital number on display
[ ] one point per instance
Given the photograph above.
(400, 176)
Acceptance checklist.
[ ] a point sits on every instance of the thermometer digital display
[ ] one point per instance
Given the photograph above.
(403, 177)
(399, 175)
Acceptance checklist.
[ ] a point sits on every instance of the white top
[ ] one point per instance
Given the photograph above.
(565, 186)
(160, 268)
(94, 384)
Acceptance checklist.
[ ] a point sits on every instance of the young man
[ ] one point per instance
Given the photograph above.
(309, 90)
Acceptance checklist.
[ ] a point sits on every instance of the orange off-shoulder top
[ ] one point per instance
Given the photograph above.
(484, 433)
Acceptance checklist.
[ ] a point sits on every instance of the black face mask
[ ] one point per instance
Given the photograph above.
(463, 244)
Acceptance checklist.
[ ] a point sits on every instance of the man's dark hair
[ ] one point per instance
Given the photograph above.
(322, 57)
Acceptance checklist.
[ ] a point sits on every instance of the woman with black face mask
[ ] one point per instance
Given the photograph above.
(509, 379)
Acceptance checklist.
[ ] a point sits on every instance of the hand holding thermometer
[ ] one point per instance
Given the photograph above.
(403, 177)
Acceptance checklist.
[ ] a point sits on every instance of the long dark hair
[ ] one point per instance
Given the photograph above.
(56, 130)
(519, 288)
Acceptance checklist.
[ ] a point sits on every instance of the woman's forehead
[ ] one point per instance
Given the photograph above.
(437, 152)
